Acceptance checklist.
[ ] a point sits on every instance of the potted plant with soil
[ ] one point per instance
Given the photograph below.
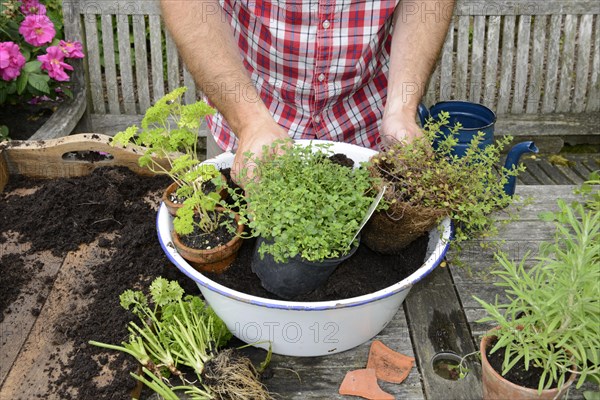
(170, 132)
(306, 211)
(547, 330)
(179, 343)
(204, 232)
(425, 186)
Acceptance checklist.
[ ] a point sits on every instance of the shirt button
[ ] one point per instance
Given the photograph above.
(317, 119)
(326, 24)
(321, 77)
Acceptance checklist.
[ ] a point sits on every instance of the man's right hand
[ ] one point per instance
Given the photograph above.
(252, 139)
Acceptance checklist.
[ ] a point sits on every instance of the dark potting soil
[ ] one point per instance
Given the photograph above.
(365, 272)
(61, 215)
(23, 120)
(211, 240)
(517, 374)
(13, 276)
(342, 160)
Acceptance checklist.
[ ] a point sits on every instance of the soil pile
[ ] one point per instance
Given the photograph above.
(61, 215)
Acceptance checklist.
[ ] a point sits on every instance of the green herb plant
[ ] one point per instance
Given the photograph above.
(466, 189)
(551, 316)
(169, 133)
(303, 203)
(176, 331)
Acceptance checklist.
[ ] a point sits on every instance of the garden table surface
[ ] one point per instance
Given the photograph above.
(439, 315)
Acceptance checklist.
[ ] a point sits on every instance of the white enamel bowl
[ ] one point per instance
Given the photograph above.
(305, 328)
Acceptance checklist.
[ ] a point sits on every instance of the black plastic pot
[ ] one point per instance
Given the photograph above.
(296, 276)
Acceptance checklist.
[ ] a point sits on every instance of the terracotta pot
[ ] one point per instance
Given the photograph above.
(173, 207)
(166, 198)
(495, 387)
(214, 260)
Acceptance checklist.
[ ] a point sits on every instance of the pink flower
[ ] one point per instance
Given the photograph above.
(37, 30)
(11, 61)
(52, 62)
(71, 49)
(32, 7)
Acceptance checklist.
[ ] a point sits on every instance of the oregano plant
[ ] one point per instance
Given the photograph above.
(302, 203)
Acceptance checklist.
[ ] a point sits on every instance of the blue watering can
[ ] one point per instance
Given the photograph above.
(475, 118)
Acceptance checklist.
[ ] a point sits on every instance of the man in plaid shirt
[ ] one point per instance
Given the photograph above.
(343, 70)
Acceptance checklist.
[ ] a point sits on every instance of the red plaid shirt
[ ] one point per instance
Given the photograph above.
(320, 66)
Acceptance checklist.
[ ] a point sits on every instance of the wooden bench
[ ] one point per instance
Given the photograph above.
(535, 62)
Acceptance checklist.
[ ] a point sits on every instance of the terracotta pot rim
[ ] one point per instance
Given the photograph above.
(486, 340)
(218, 249)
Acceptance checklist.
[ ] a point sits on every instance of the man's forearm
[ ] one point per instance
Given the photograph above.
(205, 41)
(419, 31)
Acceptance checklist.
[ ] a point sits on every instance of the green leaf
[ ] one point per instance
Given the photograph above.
(32, 66)
(22, 82)
(39, 82)
(590, 395)
(547, 216)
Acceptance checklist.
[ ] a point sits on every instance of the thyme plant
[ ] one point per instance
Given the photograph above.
(466, 189)
(551, 317)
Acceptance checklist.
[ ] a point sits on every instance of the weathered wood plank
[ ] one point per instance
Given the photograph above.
(132, 7)
(438, 324)
(491, 61)
(95, 85)
(462, 57)
(141, 62)
(522, 64)
(188, 81)
(548, 99)
(569, 174)
(581, 169)
(110, 68)
(527, 178)
(592, 164)
(584, 49)
(125, 68)
(431, 94)
(446, 75)
(593, 100)
(537, 172)
(110, 124)
(525, 7)
(158, 82)
(554, 173)
(565, 86)
(537, 64)
(172, 62)
(567, 128)
(506, 71)
(39, 362)
(64, 119)
(17, 324)
(475, 81)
